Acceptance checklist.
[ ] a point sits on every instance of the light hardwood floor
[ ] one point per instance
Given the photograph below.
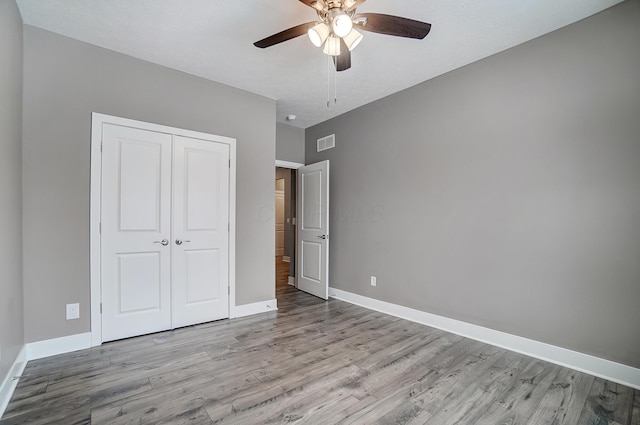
(312, 362)
(282, 272)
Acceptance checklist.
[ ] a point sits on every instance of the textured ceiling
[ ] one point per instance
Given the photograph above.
(213, 39)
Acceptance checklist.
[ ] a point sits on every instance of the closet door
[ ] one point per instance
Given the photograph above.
(136, 232)
(200, 245)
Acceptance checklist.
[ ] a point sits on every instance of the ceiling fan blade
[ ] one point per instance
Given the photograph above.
(343, 62)
(392, 25)
(285, 35)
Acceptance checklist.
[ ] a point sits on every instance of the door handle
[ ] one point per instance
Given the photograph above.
(322, 236)
(163, 242)
(180, 241)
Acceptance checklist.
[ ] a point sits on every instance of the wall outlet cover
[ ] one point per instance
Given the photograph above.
(73, 311)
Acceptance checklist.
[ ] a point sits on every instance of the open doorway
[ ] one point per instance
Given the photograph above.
(285, 229)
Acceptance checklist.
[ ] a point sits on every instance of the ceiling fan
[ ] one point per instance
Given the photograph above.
(337, 29)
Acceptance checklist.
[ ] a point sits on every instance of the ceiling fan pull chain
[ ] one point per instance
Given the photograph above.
(332, 71)
(328, 81)
(335, 85)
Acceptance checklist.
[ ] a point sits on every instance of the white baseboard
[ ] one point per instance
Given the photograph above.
(286, 258)
(292, 281)
(256, 308)
(9, 383)
(602, 368)
(38, 350)
(52, 347)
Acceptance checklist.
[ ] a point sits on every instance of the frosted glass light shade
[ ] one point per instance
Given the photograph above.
(318, 34)
(332, 46)
(317, 5)
(352, 39)
(342, 25)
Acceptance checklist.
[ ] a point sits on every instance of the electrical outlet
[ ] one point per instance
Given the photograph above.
(373, 281)
(73, 311)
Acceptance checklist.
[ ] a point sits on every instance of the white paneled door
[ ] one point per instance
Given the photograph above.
(200, 231)
(164, 236)
(313, 229)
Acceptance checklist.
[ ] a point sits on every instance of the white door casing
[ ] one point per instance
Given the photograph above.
(150, 147)
(313, 229)
(279, 219)
(135, 220)
(200, 231)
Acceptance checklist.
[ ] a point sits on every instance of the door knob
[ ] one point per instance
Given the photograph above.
(163, 242)
(180, 241)
(322, 236)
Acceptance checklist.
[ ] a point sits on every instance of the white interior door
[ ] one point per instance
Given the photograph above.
(279, 217)
(200, 272)
(313, 229)
(136, 229)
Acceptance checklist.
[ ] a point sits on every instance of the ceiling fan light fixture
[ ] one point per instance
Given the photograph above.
(361, 20)
(332, 46)
(349, 3)
(318, 34)
(342, 24)
(317, 5)
(352, 39)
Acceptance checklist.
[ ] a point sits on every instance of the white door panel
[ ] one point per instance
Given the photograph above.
(312, 200)
(200, 222)
(138, 282)
(312, 261)
(140, 182)
(135, 215)
(313, 230)
(202, 276)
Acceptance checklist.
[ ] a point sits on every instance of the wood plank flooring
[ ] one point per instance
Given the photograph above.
(312, 362)
(282, 271)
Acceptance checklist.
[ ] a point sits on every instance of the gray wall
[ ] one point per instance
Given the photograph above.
(289, 143)
(64, 81)
(11, 310)
(505, 193)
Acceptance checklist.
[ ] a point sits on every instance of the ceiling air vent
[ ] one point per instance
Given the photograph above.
(327, 142)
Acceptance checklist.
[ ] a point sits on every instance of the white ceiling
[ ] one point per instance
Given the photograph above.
(214, 39)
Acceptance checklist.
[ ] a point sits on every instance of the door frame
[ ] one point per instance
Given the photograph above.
(97, 121)
(280, 194)
(292, 166)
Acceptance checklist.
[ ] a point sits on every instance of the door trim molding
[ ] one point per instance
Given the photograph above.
(97, 121)
(288, 164)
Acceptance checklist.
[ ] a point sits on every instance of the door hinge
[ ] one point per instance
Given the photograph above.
(100, 228)
(100, 145)
(228, 227)
(229, 290)
(100, 308)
